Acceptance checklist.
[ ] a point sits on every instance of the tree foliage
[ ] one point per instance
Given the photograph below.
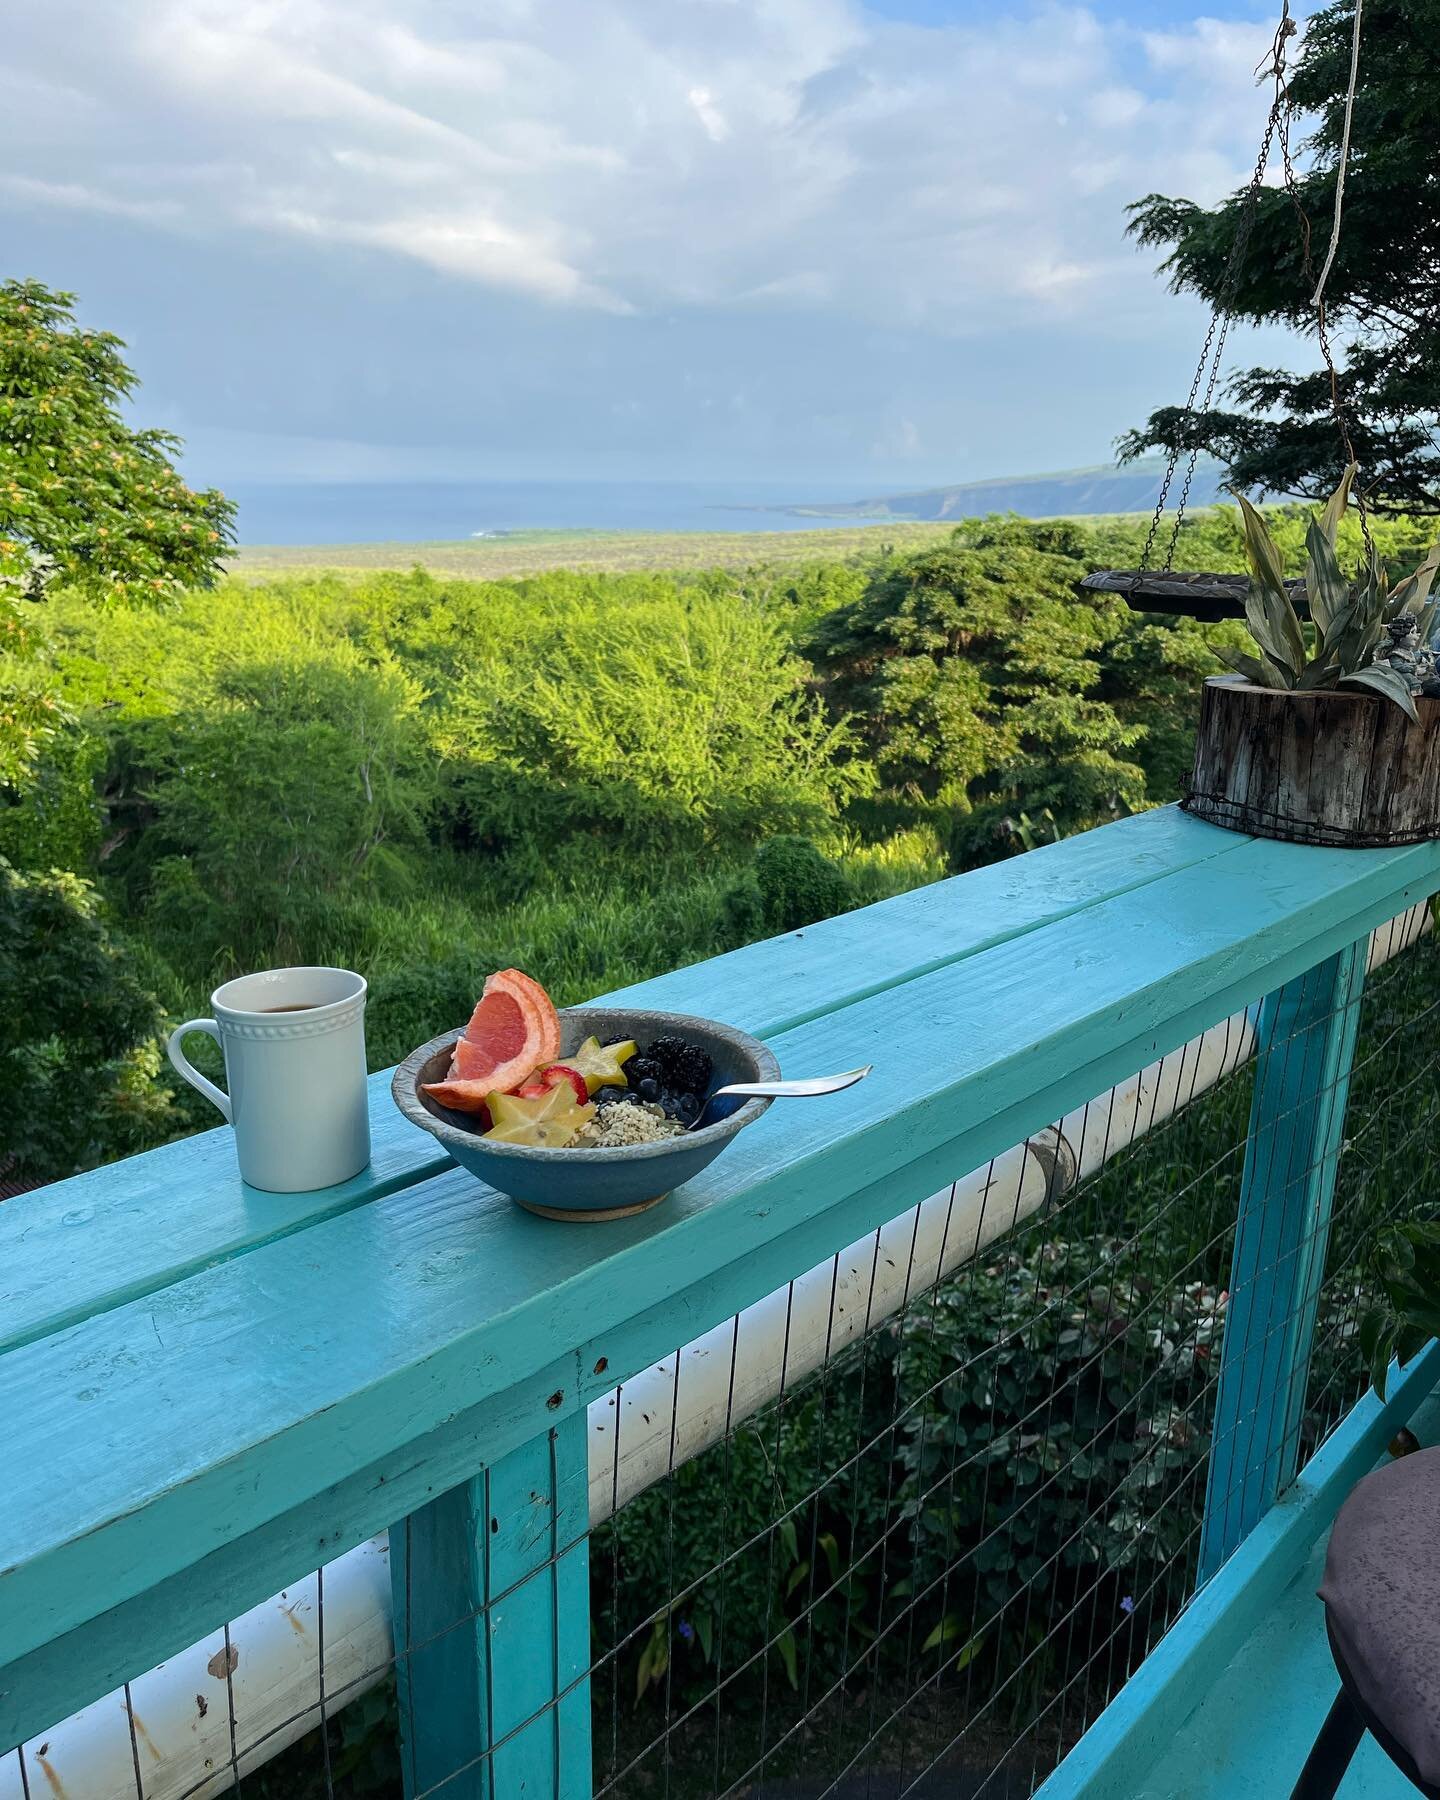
(79, 1058)
(85, 499)
(978, 674)
(1382, 298)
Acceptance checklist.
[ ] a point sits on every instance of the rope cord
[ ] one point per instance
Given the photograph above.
(1322, 326)
(1212, 351)
(1315, 298)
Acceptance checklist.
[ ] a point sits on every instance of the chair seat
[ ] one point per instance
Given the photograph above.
(1382, 1604)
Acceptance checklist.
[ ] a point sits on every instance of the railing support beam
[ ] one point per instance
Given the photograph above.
(491, 1599)
(1297, 1122)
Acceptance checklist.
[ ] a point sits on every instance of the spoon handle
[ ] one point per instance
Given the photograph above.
(786, 1090)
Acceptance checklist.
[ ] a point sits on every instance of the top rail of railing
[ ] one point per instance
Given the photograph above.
(208, 1390)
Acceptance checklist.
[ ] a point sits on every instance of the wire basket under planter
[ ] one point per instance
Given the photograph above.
(1333, 766)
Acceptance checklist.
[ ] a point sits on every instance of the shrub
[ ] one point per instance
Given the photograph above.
(797, 884)
(665, 724)
(301, 783)
(78, 1051)
(53, 820)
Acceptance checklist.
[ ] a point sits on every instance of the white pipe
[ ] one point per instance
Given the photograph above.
(181, 1711)
(173, 1724)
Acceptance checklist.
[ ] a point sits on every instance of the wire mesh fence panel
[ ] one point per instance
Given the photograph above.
(1389, 1174)
(926, 1566)
(904, 1528)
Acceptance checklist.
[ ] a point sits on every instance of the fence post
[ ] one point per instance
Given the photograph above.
(491, 1602)
(1297, 1120)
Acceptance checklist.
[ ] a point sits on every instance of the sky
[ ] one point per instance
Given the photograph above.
(869, 246)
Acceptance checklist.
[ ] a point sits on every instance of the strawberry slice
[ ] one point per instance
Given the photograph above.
(555, 1076)
(558, 1072)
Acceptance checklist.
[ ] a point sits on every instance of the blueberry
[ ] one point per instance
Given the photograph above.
(607, 1096)
(648, 1088)
(687, 1107)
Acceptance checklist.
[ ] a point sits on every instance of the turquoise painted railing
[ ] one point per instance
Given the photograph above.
(209, 1391)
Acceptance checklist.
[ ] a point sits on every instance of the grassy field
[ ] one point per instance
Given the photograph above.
(609, 552)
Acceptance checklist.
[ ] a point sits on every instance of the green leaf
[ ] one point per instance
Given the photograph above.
(948, 1628)
(1412, 593)
(1378, 1332)
(785, 1644)
(1387, 681)
(1368, 1337)
(705, 1631)
(1260, 548)
(797, 1575)
(1329, 521)
(1325, 586)
(968, 1652)
(1268, 607)
(1261, 617)
(790, 1543)
(1318, 674)
(1253, 668)
(832, 1549)
(643, 1669)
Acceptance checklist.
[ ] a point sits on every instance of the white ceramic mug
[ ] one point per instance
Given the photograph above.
(294, 1043)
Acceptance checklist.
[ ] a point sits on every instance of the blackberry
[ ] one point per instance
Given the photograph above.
(683, 1068)
(642, 1067)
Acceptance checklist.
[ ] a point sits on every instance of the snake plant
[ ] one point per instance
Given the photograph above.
(1348, 619)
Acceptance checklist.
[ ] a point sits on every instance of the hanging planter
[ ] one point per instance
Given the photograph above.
(1331, 734)
(1320, 767)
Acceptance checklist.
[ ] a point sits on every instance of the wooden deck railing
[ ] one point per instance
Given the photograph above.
(209, 1391)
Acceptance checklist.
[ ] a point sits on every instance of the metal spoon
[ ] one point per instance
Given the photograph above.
(774, 1090)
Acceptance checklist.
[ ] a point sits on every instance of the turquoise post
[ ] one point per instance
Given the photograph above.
(491, 1592)
(1297, 1121)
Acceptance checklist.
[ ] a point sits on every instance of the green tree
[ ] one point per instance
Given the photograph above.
(1382, 298)
(86, 500)
(667, 722)
(974, 672)
(79, 1051)
(301, 782)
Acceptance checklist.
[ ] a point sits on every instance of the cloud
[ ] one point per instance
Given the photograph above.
(71, 196)
(624, 156)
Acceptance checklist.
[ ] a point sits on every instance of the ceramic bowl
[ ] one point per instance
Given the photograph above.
(591, 1184)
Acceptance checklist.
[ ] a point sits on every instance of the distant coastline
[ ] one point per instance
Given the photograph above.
(1103, 488)
(338, 513)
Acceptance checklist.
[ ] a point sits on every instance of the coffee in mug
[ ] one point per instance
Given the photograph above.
(294, 1044)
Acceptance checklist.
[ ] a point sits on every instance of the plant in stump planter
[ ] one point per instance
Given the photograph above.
(1331, 734)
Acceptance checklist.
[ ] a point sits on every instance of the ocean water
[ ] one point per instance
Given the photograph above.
(419, 512)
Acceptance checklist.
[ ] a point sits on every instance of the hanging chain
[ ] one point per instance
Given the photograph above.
(1213, 349)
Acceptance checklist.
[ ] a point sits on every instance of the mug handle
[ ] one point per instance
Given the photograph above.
(188, 1071)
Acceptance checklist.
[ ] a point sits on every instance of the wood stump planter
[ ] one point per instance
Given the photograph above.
(1337, 766)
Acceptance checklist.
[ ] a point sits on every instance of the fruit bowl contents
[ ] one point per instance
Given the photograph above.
(514, 1037)
(581, 1112)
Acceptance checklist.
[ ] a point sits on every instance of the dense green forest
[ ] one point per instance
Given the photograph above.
(595, 777)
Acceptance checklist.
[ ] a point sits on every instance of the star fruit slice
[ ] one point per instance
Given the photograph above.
(546, 1122)
(600, 1065)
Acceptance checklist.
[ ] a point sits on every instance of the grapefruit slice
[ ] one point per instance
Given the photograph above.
(513, 1030)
